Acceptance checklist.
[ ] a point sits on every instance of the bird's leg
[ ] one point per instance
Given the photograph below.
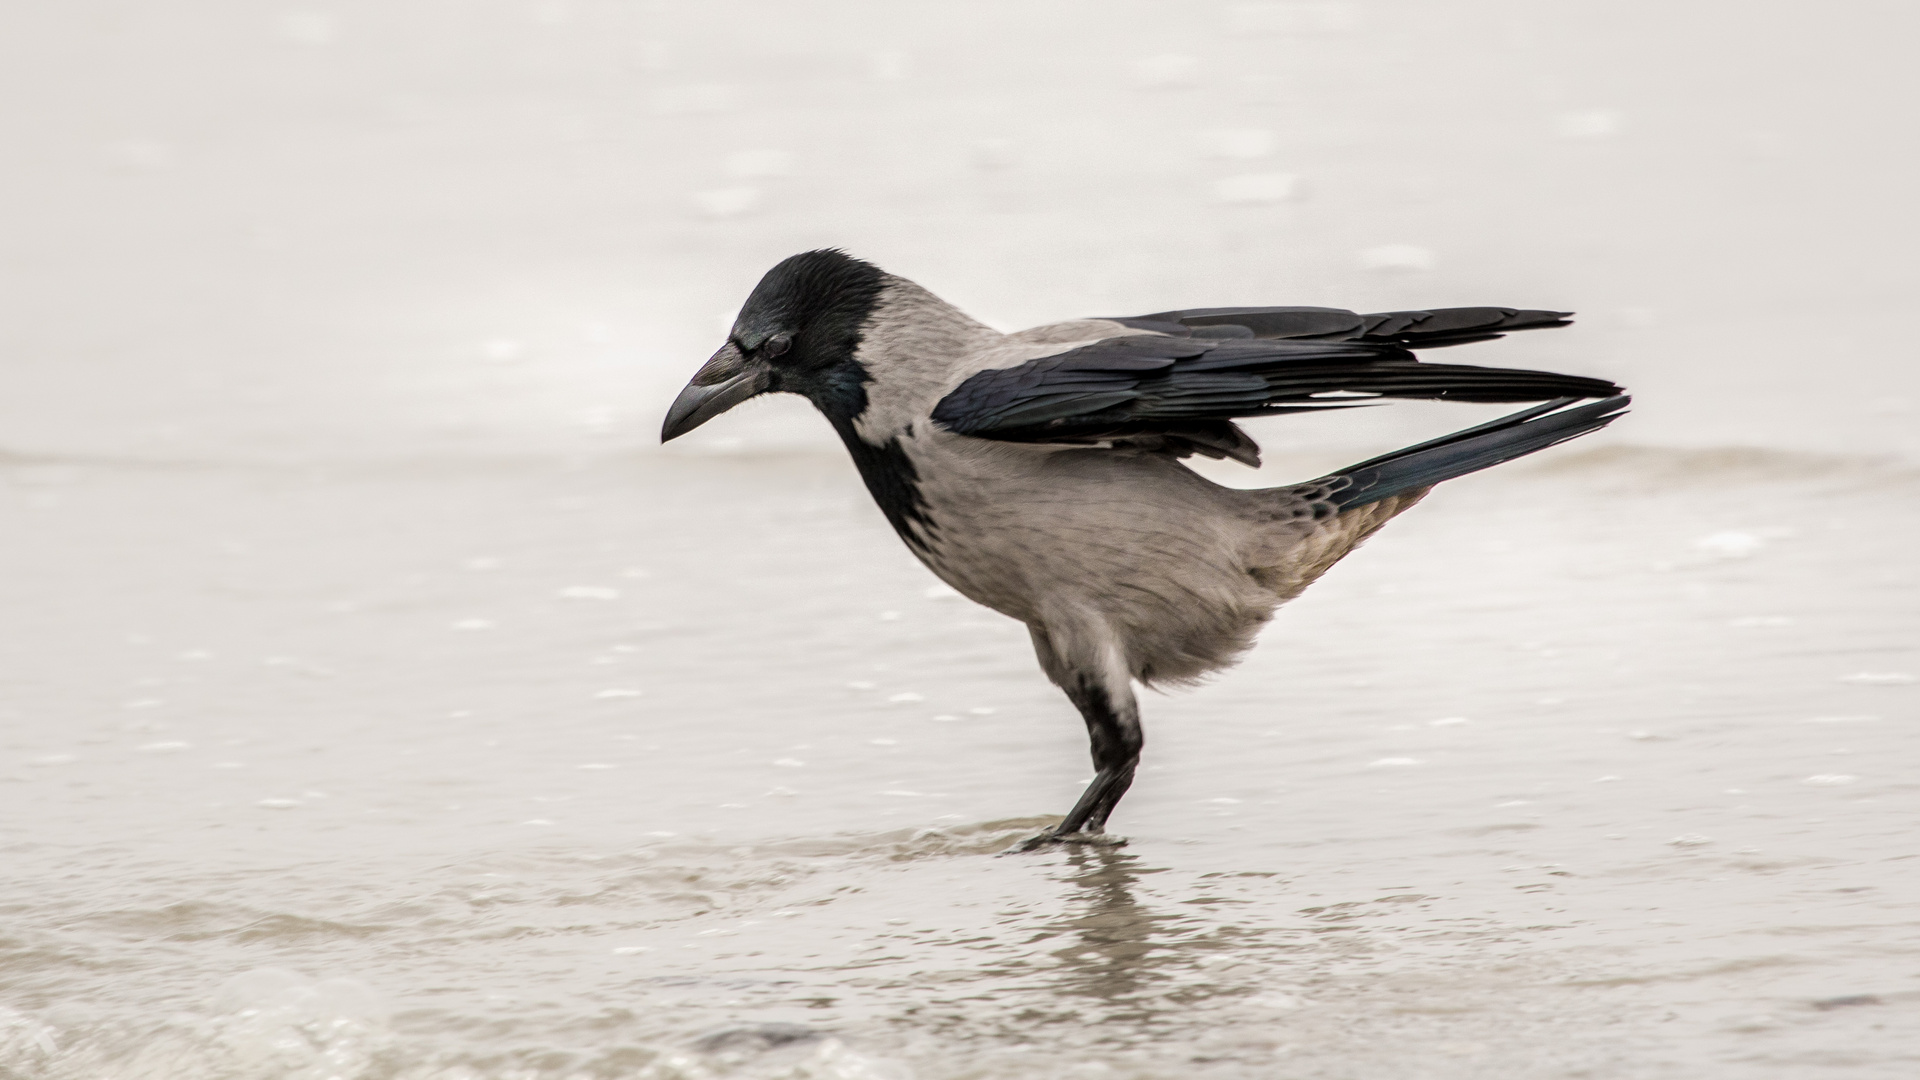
(1113, 728)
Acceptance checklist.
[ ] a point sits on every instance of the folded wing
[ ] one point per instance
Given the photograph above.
(1415, 329)
(1180, 393)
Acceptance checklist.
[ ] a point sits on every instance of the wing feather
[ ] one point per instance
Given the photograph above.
(1178, 394)
(1415, 329)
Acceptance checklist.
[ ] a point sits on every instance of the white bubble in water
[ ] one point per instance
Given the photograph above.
(993, 155)
(1730, 544)
(905, 697)
(279, 988)
(588, 592)
(139, 155)
(728, 202)
(617, 692)
(22, 1040)
(1293, 18)
(1830, 778)
(1878, 678)
(1397, 257)
(1166, 72)
(1393, 762)
(889, 65)
(1253, 189)
(308, 27)
(1588, 123)
(1690, 840)
(1238, 143)
(694, 100)
(755, 164)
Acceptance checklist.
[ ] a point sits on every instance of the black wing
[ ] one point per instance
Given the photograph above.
(1415, 329)
(1179, 393)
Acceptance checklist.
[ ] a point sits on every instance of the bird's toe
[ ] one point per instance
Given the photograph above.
(1085, 839)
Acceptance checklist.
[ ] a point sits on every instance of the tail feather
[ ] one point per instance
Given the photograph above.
(1473, 449)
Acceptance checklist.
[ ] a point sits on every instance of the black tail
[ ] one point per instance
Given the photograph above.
(1474, 449)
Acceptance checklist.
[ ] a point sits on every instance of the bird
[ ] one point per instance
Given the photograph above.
(1040, 473)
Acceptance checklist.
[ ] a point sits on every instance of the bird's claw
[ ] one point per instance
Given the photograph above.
(1089, 839)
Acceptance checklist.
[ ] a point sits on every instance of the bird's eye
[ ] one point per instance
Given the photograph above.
(777, 345)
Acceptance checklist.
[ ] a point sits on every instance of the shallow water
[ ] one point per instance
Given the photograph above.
(379, 703)
(553, 769)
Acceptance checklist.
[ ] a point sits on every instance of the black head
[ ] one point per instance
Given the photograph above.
(797, 334)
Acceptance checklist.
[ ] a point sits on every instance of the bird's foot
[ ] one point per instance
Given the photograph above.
(1088, 839)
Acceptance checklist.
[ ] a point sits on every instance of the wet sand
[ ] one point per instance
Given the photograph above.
(1591, 767)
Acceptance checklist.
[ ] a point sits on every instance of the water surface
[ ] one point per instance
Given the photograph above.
(555, 769)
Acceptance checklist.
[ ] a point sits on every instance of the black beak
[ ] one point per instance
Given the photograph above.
(726, 380)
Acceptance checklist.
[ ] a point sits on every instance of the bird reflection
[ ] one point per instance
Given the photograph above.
(1117, 949)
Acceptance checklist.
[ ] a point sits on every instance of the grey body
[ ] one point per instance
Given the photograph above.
(1118, 560)
(1039, 473)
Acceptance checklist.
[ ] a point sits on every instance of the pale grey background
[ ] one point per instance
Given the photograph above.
(345, 229)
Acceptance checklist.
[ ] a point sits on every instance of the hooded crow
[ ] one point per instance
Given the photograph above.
(1039, 472)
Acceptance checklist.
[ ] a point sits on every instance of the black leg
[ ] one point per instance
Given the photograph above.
(1113, 728)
